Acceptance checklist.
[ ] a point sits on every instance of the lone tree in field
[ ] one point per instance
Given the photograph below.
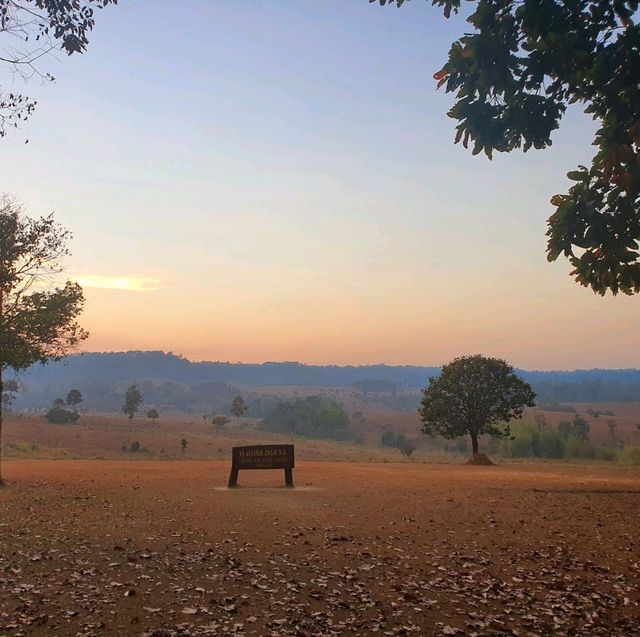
(514, 75)
(153, 414)
(37, 315)
(220, 422)
(474, 395)
(132, 401)
(36, 29)
(239, 407)
(74, 398)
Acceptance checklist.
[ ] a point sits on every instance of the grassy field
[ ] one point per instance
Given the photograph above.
(111, 436)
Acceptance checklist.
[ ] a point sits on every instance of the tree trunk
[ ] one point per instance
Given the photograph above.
(1, 392)
(474, 442)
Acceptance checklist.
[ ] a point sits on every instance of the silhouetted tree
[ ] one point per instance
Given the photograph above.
(153, 414)
(183, 445)
(578, 428)
(515, 74)
(59, 415)
(407, 448)
(37, 317)
(132, 401)
(220, 422)
(474, 395)
(74, 398)
(238, 407)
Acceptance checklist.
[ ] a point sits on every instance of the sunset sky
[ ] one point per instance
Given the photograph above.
(254, 180)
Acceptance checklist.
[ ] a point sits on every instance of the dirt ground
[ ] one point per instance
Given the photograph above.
(162, 548)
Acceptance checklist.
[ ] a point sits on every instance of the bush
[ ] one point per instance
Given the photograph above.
(524, 441)
(577, 448)
(61, 416)
(551, 444)
(388, 438)
(407, 448)
(630, 455)
(608, 455)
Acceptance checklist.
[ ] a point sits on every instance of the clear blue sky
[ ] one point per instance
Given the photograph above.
(252, 180)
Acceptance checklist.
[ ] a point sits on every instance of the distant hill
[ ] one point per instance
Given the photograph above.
(160, 366)
(105, 373)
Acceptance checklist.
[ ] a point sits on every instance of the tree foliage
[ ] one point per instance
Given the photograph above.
(220, 422)
(474, 396)
(74, 398)
(310, 417)
(153, 414)
(132, 401)
(37, 313)
(238, 407)
(58, 415)
(514, 76)
(31, 30)
(578, 428)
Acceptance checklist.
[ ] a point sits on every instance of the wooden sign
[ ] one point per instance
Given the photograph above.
(262, 457)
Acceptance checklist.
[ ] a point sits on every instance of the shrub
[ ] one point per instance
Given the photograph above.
(61, 416)
(388, 438)
(528, 440)
(407, 448)
(577, 448)
(524, 440)
(551, 444)
(630, 455)
(608, 455)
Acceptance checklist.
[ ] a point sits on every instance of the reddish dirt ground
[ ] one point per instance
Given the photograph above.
(162, 549)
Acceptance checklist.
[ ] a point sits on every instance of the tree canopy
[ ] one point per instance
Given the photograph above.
(31, 30)
(474, 396)
(238, 407)
(132, 401)
(514, 76)
(74, 398)
(310, 417)
(37, 315)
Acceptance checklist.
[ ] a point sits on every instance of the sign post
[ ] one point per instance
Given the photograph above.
(262, 457)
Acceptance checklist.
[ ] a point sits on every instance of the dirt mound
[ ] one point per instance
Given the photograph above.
(479, 459)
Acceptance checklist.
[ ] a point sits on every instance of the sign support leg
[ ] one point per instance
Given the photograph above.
(288, 477)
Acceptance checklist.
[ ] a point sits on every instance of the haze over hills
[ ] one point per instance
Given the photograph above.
(166, 366)
(104, 374)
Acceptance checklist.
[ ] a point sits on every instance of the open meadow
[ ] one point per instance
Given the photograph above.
(163, 548)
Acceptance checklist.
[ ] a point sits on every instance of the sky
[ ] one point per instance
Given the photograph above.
(264, 181)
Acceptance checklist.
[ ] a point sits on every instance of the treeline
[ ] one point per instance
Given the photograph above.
(595, 385)
(212, 397)
(587, 391)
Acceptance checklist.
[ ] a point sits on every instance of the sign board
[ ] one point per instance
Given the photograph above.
(262, 457)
